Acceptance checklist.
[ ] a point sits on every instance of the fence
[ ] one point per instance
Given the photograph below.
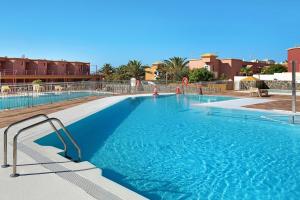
(28, 95)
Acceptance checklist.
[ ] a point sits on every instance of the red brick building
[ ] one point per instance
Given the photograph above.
(294, 55)
(225, 67)
(14, 70)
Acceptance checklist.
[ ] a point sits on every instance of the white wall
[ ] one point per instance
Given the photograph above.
(285, 76)
(237, 80)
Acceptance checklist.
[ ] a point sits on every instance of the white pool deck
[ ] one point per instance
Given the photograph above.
(58, 178)
(235, 103)
(243, 101)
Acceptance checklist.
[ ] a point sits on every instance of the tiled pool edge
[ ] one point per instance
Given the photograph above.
(89, 187)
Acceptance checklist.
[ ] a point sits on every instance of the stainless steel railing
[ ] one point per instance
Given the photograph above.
(46, 120)
(15, 174)
(5, 164)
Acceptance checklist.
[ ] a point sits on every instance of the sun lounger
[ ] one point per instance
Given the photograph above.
(258, 92)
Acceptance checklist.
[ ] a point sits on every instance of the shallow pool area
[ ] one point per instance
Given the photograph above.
(166, 148)
(33, 99)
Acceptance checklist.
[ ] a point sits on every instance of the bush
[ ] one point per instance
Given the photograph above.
(201, 74)
(246, 71)
(37, 82)
(275, 68)
(223, 77)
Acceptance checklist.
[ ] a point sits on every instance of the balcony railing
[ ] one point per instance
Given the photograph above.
(5, 72)
(8, 72)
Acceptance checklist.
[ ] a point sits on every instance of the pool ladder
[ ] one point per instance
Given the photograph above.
(46, 120)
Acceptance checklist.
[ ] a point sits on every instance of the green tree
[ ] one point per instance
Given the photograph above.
(37, 82)
(246, 71)
(223, 77)
(121, 73)
(201, 74)
(135, 69)
(107, 71)
(274, 68)
(175, 67)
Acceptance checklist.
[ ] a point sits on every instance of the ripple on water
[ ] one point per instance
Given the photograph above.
(168, 149)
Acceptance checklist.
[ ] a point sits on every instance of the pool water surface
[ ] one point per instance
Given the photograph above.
(167, 147)
(33, 99)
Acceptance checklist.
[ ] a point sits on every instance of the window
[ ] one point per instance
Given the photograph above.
(207, 67)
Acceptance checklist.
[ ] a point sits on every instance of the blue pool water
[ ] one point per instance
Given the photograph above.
(11, 102)
(168, 148)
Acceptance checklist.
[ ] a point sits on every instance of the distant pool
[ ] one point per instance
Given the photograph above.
(167, 148)
(33, 99)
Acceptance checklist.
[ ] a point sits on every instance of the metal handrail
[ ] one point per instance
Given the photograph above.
(5, 164)
(14, 174)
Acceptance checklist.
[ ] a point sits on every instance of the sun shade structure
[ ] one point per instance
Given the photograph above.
(208, 55)
(5, 88)
(250, 78)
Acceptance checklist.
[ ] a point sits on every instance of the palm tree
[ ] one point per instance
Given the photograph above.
(175, 68)
(121, 73)
(107, 71)
(136, 69)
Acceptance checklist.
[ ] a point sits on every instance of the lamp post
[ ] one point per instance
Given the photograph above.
(293, 90)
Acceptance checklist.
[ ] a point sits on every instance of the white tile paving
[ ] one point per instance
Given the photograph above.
(240, 103)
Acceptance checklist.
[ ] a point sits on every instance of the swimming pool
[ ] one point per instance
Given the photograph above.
(32, 99)
(169, 148)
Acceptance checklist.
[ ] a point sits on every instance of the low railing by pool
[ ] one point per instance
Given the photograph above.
(28, 95)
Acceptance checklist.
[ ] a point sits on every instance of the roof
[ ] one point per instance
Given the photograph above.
(231, 59)
(44, 60)
(208, 55)
(297, 47)
(250, 78)
(157, 63)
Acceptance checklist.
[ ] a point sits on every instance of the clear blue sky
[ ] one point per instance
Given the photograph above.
(114, 31)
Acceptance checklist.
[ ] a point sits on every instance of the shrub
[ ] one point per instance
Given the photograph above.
(37, 82)
(201, 74)
(275, 68)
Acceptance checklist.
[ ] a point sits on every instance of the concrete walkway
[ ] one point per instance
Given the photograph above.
(235, 103)
(246, 104)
